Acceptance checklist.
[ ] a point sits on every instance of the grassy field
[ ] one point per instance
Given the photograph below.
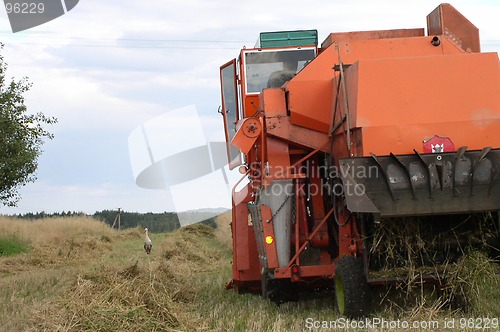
(77, 274)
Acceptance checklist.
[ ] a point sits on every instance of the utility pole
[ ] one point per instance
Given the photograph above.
(117, 218)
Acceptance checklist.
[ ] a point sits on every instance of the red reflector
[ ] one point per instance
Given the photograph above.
(295, 269)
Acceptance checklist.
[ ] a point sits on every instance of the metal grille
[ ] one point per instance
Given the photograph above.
(259, 233)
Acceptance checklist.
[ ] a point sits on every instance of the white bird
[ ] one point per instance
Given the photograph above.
(148, 245)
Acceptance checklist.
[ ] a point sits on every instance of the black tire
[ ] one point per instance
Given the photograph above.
(351, 289)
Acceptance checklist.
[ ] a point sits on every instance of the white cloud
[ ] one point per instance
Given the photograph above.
(106, 67)
(50, 198)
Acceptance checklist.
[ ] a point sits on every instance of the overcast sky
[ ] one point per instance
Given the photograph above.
(106, 67)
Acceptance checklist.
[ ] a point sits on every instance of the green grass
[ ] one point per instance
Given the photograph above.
(10, 245)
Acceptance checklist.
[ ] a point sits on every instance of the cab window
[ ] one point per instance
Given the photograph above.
(260, 65)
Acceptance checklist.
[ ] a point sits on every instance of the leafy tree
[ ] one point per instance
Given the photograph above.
(21, 137)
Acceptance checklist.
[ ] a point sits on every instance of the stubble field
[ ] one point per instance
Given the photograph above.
(77, 274)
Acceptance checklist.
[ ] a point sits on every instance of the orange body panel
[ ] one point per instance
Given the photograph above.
(248, 131)
(278, 122)
(273, 101)
(278, 159)
(313, 91)
(432, 97)
(308, 102)
(251, 105)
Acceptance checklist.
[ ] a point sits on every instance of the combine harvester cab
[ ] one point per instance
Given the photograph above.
(374, 133)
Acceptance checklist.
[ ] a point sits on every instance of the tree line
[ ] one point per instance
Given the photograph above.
(155, 222)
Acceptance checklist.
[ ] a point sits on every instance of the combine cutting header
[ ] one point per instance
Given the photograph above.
(338, 142)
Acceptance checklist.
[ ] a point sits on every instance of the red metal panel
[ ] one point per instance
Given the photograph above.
(446, 20)
(246, 265)
(373, 34)
(240, 237)
(307, 271)
(282, 128)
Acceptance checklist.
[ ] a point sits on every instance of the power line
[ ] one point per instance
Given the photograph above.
(133, 46)
(133, 39)
(192, 44)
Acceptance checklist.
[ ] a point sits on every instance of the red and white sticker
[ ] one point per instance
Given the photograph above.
(438, 144)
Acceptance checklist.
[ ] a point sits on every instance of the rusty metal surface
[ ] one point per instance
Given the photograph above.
(281, 127)
(373, 34)
(446, 20)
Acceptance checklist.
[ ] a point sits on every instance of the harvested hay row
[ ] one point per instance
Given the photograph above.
(429, 243)
(187, 246)
(473, 285)
(49, 256)
(154, 293)
(54, 230)
(223, 230)
(460, 252)
(130, 300)
(56, 242)
(132, 233)
(198, 229)
(194, 249)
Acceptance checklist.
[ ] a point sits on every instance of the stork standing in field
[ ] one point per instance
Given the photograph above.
(148, 245)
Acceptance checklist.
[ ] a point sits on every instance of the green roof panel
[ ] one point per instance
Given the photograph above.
(288, 38)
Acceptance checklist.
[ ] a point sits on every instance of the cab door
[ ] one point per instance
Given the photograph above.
(230, 108)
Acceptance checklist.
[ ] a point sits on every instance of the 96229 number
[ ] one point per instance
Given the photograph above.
(25, 8)
(478, 323)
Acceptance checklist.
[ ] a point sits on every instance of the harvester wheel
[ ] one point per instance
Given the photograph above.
(351, 289)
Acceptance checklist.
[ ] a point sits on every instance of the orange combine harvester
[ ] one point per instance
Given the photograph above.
(370, 128)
